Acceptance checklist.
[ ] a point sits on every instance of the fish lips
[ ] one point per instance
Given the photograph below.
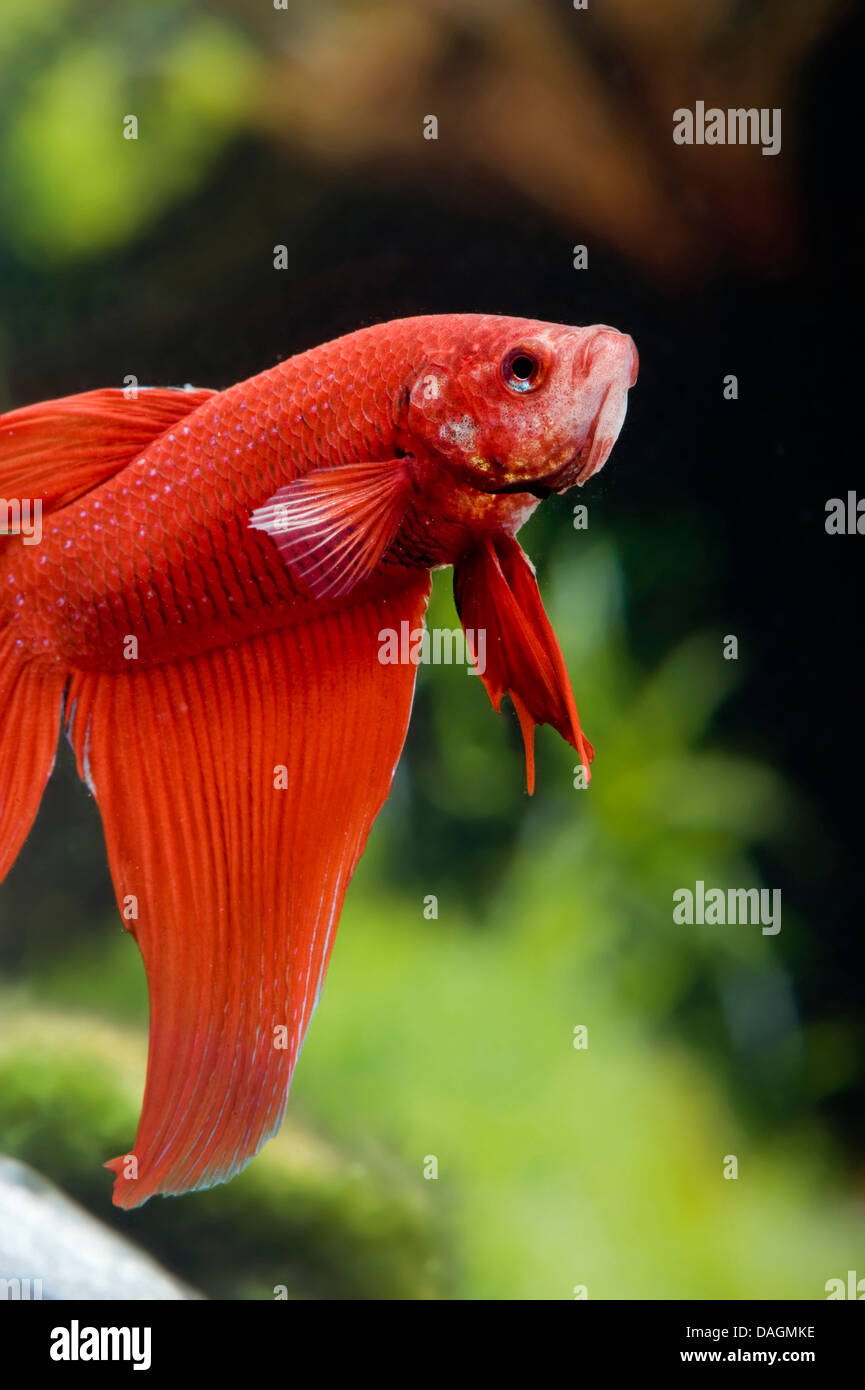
(539, 488)
(559, 479)
(608, 425)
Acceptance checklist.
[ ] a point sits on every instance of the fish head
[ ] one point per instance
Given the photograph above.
(519, 405)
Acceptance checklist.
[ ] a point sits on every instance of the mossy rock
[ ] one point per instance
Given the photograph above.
(304, 1218)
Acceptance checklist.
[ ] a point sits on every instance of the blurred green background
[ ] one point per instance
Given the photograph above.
(453, 1038)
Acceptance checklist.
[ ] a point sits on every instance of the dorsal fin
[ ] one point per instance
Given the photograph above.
(58, 450)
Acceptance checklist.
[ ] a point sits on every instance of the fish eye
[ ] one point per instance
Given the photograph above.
(521, 369)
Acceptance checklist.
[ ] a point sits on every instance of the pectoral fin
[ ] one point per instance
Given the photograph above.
(333, 526)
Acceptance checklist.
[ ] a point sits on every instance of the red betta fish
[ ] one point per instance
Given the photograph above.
(202, 610)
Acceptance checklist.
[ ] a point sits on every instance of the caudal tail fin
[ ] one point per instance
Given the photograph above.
(31, 696)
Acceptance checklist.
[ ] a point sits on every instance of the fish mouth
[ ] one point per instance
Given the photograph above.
(584, 462)
(559, 479)
(592, 454)
(539, 489)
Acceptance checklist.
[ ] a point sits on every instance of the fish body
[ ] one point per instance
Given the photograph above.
(164, 551)
(204, 603)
